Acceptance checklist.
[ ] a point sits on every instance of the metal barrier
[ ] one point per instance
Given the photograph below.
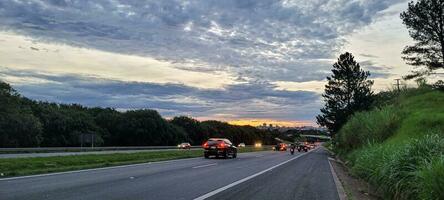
(80, 149)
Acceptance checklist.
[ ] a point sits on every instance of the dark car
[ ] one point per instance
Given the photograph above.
(302, 147)
(219, 147)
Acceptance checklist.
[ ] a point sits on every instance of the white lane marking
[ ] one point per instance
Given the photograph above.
(214, 192)
(259, 156)
(200, 166)
(341, 192)
(95, 169)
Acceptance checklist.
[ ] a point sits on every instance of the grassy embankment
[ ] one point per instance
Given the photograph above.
(398, 147)
(39, 165)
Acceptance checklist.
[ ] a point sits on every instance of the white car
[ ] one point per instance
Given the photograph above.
(184, 145)
(241, 145)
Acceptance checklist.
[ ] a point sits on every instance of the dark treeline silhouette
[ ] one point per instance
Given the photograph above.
(28, 123)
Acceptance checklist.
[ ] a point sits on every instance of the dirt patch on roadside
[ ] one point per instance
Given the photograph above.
(354, 187)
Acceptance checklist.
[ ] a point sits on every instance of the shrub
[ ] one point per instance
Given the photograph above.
(368, 127)
(404, 171)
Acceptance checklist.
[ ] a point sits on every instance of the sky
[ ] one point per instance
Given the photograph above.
(240, 61)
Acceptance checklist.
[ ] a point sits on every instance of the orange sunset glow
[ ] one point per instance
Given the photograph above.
(258, 122)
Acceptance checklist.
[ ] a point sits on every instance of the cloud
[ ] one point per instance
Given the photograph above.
(253, 100)
(267, 39)
(19, 52)
(368, 55)
(376, 70)
(217, 59)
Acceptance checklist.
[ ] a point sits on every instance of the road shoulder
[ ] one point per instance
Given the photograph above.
(341, 192)
(353, 188)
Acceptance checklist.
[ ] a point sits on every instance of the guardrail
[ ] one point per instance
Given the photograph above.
(81, 149)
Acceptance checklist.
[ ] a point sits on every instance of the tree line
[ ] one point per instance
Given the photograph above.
(29, 123)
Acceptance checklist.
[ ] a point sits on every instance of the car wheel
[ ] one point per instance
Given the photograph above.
(234, 154)
(206, 155)
(225, 154)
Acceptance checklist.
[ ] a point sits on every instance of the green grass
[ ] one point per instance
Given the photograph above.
(39, 165)
(432, 182)
(399, 147)
(369, 127)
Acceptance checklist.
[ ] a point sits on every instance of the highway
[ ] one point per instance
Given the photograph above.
(258, 175)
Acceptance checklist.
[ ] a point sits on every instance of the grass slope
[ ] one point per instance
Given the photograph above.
(399, 146)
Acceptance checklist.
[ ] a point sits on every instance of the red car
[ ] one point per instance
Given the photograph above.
(219, 147)
(281, 147)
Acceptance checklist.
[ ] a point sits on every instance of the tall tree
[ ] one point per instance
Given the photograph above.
(425, 21)
(346, 92)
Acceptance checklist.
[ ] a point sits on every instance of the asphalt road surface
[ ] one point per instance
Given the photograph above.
(259, 175)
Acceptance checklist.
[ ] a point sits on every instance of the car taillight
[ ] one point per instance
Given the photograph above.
(221, 145)
(205, 145)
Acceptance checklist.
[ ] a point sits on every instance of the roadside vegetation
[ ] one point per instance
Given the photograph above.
(394, 139)
(28, 123)
(398, 146)
(39, 165)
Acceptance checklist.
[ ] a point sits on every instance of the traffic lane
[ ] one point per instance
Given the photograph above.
(308, 177)
(106, 174)
(181, 179)
(34, 155)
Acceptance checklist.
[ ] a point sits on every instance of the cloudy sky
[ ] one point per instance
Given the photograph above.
(242, 61)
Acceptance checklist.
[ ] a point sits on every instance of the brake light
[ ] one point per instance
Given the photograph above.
(221, 145)
(205, 145)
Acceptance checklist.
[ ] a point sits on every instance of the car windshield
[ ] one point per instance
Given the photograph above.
(211, 142)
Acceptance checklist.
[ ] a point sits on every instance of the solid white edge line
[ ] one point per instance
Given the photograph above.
(214, 192)
(341, 192)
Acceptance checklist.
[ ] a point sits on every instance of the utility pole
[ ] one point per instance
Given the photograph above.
(398, 83)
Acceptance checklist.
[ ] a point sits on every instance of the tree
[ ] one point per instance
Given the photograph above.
(18, 127)
(192, 127)
(346, 92)
(425, 21)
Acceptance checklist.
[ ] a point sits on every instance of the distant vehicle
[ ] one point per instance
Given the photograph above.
(302, 147)
(257, 144)
(281, 147)
(219, 147)
(184, 145)
(292, 147)
(241, 145)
